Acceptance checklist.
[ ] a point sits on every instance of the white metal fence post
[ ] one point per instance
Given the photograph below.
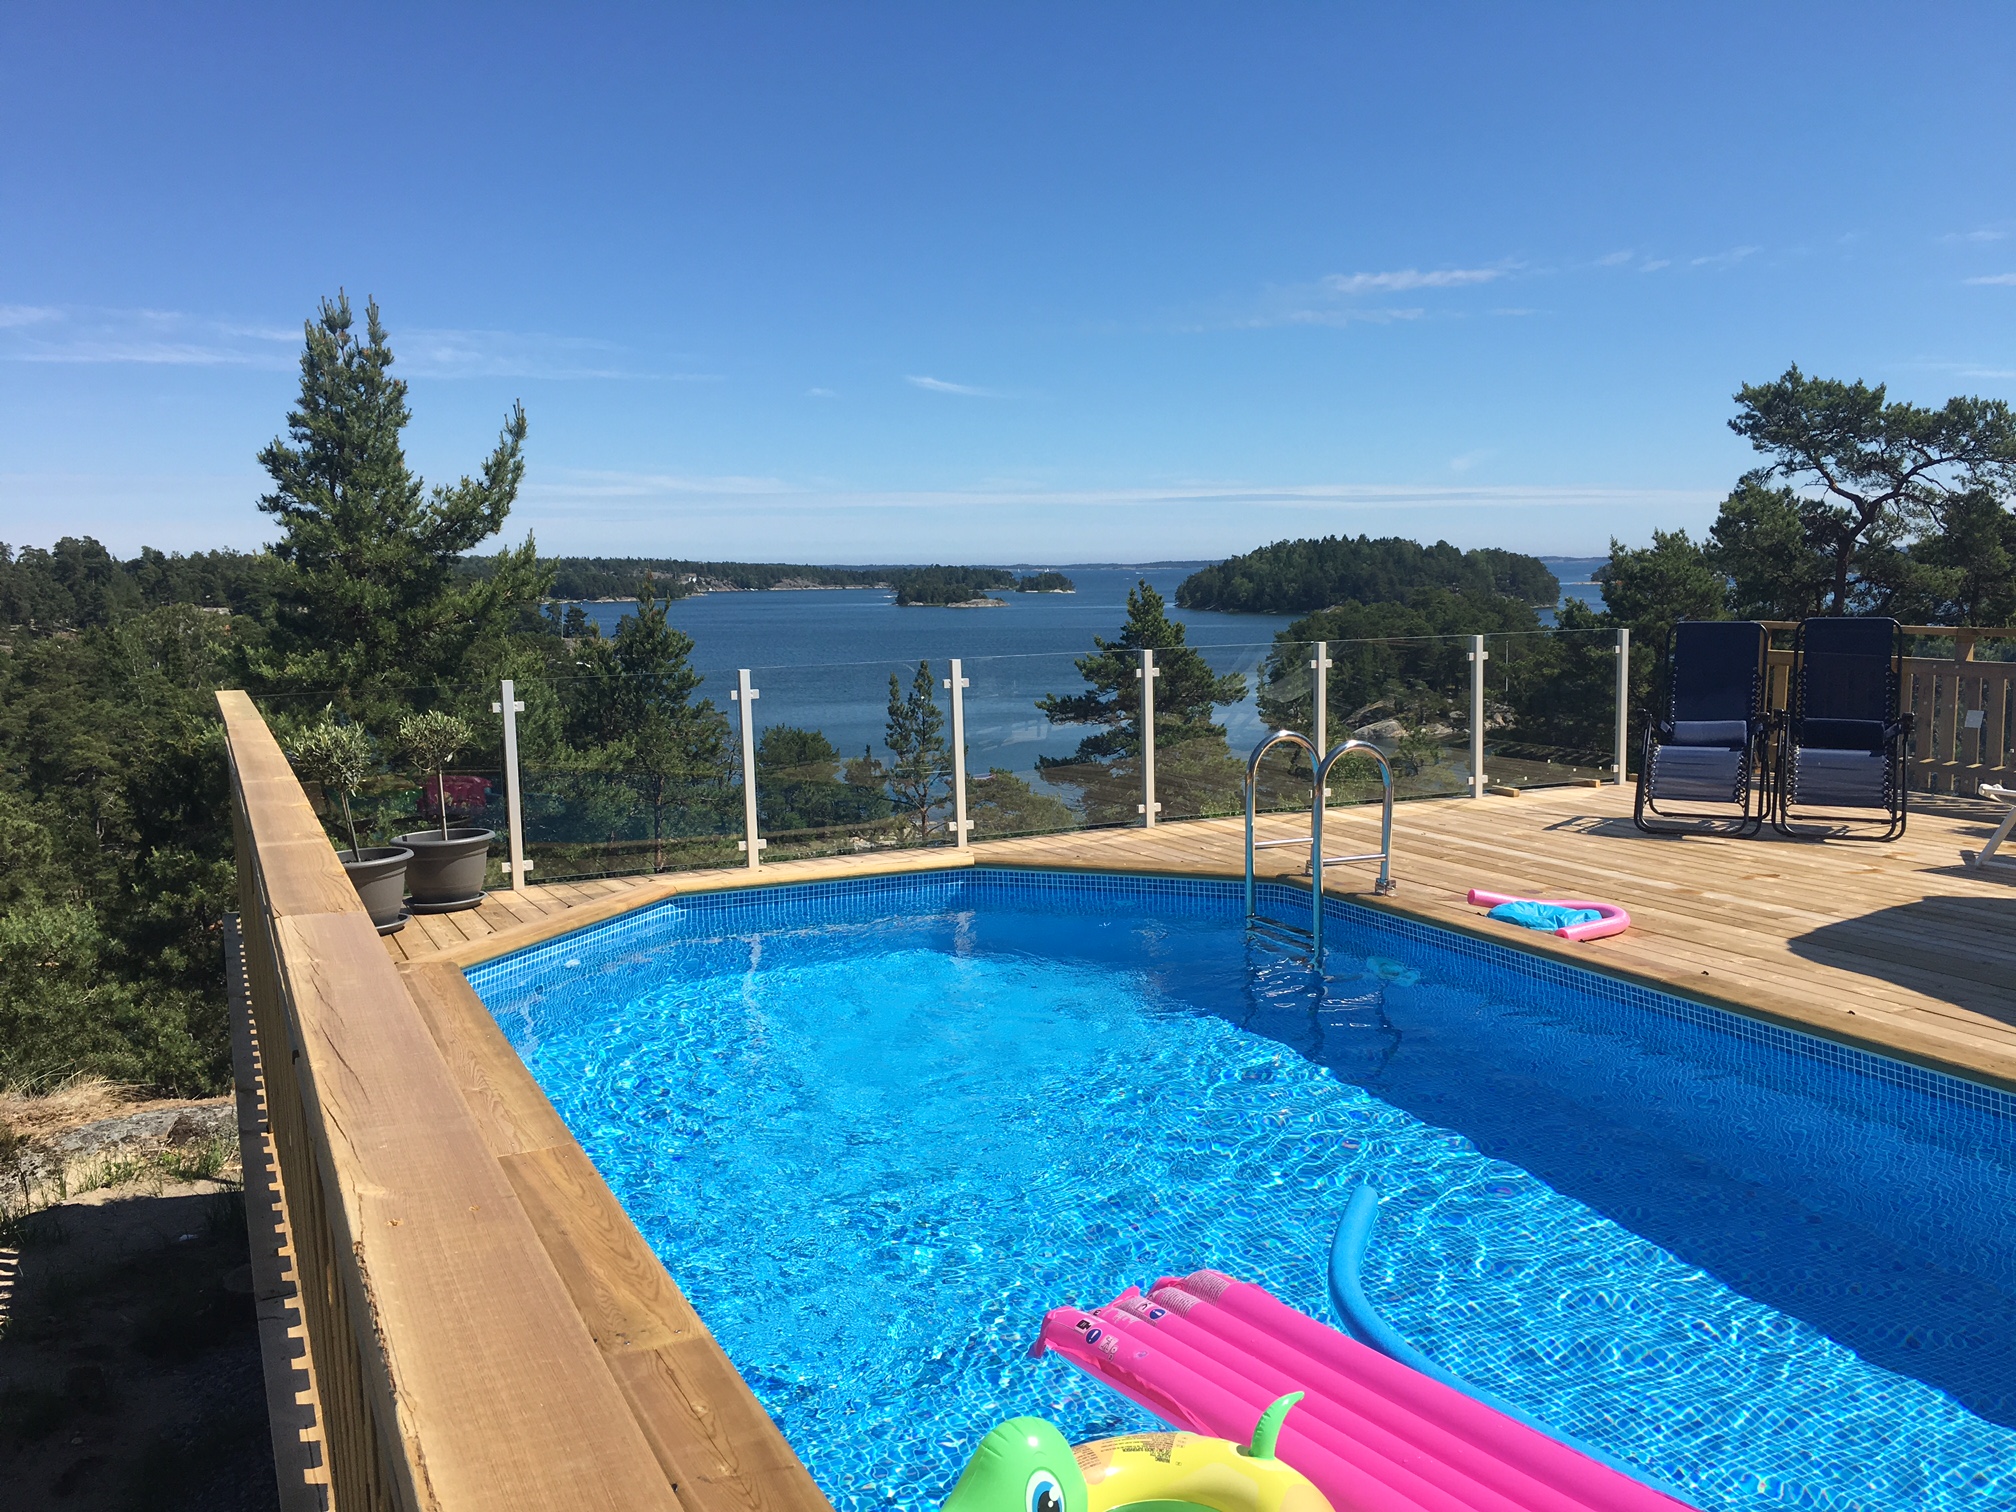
(746, 696)
(961, 825)
(1321, 722)
(1478, 656)
(1148, 672)
(1623, 701)
(510, 706)
(1320, 705)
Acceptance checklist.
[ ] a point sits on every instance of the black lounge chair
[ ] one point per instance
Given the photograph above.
(1708, 745)
(1843, 749)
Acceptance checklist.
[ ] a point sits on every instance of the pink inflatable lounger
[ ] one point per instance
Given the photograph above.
(1614, 920)
(1207, 1354)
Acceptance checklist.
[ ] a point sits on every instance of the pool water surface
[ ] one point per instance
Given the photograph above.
(875, 1129)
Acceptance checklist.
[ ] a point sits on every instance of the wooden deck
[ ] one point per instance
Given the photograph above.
(1898, 948)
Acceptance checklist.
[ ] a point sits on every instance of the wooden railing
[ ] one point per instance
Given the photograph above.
(1950, 753)
(453, 1364)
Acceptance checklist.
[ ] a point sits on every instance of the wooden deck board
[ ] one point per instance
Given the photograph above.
(1897, 947)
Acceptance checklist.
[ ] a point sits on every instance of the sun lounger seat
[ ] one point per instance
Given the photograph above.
(1707, 745)
(1843, 750)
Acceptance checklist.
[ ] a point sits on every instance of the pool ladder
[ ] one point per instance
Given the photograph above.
(1275, 931)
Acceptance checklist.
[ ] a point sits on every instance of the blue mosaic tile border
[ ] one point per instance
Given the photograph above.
(1462, 959)
(1498, 961)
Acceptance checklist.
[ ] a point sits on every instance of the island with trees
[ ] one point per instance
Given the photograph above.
(951, 587)
(1293, 577)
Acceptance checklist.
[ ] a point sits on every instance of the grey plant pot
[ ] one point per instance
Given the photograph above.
(379, 875)
(446, 875)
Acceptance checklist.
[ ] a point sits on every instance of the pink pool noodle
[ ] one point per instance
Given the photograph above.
(1614, 920)
(1596, 1485)
(1354, 1439)
(1344, 1405)
(1148, 1376)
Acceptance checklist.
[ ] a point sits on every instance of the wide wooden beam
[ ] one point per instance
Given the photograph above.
(455, 1370)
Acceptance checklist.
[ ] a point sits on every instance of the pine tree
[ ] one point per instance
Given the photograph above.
(370, 599)
(1186, 694)
(631, 704)
(1195, 770)
(915, 736)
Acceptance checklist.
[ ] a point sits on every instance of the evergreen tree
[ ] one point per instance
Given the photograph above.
(915, 736)
(1194, 766)
(1186, 694)
(1877, 472)
(1761, 541)
(369, 598)
(799, 787)
(631, 712)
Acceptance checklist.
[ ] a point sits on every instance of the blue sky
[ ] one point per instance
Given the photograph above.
(883, 282)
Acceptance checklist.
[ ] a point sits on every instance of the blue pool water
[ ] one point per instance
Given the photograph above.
(876, 1128)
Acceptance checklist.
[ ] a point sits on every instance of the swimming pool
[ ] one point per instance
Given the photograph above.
(876, 1128)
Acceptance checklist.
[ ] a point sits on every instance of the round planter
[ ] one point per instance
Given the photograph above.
(379, 875)
(446, 875)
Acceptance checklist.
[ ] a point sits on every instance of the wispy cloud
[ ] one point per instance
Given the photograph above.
(1337, 316)
(1615, 259)
(174, 338)
(86, 334)
(1470, 459)
(1727, 259)
(941, 386)
(821, 393)
(555, 488)
(1974, 236)
(1654, 264)
(1410, 278)
(425, 353)
(1995, 278)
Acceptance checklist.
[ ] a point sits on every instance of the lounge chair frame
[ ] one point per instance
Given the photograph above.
(1754, 808)
(1839, 821)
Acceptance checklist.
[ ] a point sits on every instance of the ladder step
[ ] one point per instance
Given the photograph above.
(1261, 924)
(1290, 949)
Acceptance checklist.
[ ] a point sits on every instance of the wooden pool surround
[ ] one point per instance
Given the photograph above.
(465, 1317)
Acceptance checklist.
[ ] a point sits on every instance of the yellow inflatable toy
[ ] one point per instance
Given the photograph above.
(1026, 1466)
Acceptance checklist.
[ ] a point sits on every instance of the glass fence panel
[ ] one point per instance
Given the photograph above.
(1410, 697)
(1028, 773)
(1550, 707)
(1207, 719)
(629, 772)
(853, 757)
(1283, 683)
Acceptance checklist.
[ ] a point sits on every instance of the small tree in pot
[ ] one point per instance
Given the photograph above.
(448, 868)
(341, 758)
(434, 740)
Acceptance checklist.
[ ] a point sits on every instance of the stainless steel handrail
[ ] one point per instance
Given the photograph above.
(1320, 776)
(1279, 737)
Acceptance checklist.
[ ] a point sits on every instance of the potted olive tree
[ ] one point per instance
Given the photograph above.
(340, 758)
(448, 865)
